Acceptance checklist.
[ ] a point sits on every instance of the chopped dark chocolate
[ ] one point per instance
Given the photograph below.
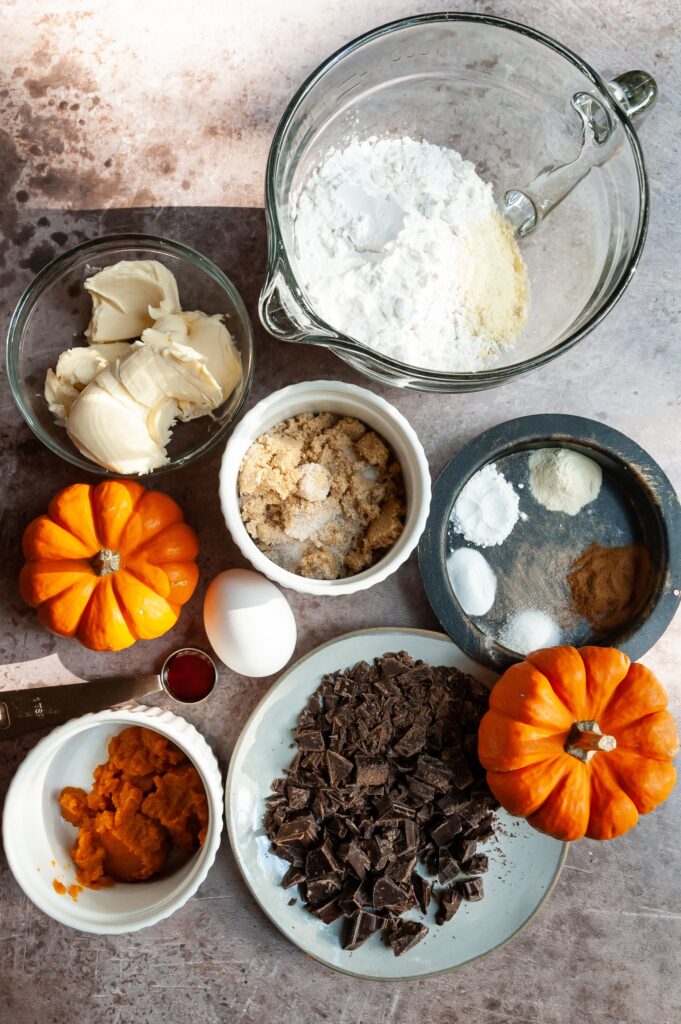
(360, 928)
(447, 867)
(434, 772)
(327, 912)
(385, 776)
(338, 767)
(371, 771)
(355, 856)
(446, 830)
(310, 739)
(322, 889)
(476, 865)
(449, 901)
(472, 889)
(294, 876)
(404, 935)
(387, 895)
(301, 830)
(422, 890)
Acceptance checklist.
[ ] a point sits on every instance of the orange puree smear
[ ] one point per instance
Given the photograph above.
(145, 800)
(58, 887)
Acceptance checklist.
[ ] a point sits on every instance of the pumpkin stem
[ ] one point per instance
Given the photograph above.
(106, 561)
(586, 738)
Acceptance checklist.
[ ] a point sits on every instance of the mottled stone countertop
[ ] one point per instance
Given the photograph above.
(158, 116)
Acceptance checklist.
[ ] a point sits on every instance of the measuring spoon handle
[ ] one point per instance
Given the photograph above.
(23, 711)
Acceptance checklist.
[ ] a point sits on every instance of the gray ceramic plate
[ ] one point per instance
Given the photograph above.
(524, 864)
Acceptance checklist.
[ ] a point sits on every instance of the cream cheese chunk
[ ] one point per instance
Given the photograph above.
(163, 368)
(127, 297)
(119, 400)
(75, 368)
(107, 425)
(123, 417)
(209, 336)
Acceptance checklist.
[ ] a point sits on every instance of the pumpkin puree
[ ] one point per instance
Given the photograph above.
(146, 799)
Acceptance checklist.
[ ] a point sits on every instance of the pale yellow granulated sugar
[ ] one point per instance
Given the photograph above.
(320, 496)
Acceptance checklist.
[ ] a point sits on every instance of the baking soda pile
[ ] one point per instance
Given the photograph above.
(400, 246)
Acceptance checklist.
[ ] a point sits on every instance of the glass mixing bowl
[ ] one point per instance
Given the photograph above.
(534, 118)
(55, 309)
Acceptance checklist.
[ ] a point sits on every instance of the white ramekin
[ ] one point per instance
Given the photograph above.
(37, 840)
(344, 400)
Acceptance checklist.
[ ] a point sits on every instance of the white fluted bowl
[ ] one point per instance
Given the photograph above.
(37, 840)
(333, 396)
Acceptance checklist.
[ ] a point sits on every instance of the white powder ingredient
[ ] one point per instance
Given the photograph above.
(530, 630)
(563, 480)
(400, 245)
(473, 580)
(487, 508)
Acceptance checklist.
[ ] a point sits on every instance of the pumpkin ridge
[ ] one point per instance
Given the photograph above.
(129, 621)
(95, 525)
(551, 792)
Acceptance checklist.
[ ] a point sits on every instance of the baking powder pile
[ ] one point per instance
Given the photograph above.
(400, 246)
(487, 508)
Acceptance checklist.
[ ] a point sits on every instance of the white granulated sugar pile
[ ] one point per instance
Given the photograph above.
(400, 246)
(530, 630)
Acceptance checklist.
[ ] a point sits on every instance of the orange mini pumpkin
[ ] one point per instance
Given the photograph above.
(109, 564)
(579, 742)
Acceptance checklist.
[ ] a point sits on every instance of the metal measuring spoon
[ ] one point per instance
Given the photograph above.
(23, 711)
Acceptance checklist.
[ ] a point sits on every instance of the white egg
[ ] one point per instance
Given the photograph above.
(249, 623)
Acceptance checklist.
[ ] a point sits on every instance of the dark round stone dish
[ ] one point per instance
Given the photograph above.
(636, 505)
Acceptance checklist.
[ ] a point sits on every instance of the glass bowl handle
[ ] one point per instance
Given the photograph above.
(285, 318)
(636, 93)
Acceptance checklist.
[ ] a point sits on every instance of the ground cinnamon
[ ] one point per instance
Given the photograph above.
(609, 585)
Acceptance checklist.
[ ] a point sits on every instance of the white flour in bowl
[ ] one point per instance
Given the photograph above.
(400, 245)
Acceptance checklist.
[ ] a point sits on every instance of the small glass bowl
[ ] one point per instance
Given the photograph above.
(55, 309)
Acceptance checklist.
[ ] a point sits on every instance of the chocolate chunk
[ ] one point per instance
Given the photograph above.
(390, 666)
(338, 767)
(476, 865)
(321, 862)
(451, 802)
(388, 896)
(400, 870)
(322, 889)
(422, 890)
(472, 889)
(434, 772)
(301, 830)
(411, 836)
(449, 901)
(421, 791)
(446, 830)
(360, 928)
(447, 867)
(371, 771)
(327, 912)
(466, 848)
(485, 830)
(292, 902)
(461, 776)
(310, 739)
(413, 740)
(294, 876)
(355, 856)
(298, 797)
(404, 935)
